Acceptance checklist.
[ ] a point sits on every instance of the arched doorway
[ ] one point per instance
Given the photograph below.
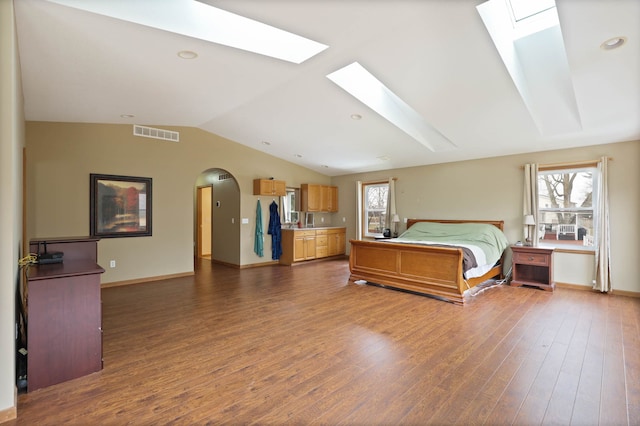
(217, 217)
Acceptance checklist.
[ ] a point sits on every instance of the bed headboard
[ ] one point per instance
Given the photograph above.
(497, 223)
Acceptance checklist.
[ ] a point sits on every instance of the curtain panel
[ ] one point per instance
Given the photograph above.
(530, 202)
(603, 259)
(359, 211)
(391, 203)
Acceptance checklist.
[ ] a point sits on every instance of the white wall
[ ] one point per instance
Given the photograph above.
(11, 142)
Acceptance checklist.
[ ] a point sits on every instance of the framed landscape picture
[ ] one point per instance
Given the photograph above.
(120, 206)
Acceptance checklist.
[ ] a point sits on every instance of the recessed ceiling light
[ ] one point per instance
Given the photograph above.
(384, 158)
(127, 115)
(324, 166)
(356, 117)
(298, 155)
(266, 143)
(613, 43)
(187, 54)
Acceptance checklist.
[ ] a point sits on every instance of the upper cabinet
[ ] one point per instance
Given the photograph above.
(269, 187)
(332, 199)
(310, 197)
(318, 198)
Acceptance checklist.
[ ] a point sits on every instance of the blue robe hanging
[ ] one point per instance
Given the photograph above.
(275, 231)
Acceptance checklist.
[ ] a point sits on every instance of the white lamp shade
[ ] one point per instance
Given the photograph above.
(529, 220)
(395, 218)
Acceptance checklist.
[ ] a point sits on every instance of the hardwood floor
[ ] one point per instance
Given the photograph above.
(301, 345)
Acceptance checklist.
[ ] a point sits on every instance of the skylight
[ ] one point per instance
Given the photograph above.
(530, 43)
(362, 85)
(523, 9)
(195, 19)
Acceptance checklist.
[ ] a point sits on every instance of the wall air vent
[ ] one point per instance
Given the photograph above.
(224, 176)
(150, 132)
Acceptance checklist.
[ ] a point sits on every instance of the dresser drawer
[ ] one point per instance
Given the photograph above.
(531, 258)
(321, 240)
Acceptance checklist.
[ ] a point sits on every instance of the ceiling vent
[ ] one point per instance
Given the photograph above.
(150, 132)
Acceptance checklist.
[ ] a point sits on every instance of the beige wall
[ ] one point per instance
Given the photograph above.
(60, 157)
(492, 189)
(11, 143)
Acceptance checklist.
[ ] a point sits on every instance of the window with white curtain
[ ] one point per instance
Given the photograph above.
(566, 206)
(374, 207)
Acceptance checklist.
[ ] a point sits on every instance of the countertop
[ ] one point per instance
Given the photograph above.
(312, 229)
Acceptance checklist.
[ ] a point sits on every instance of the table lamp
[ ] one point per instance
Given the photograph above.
(395, 219)
(529, 221)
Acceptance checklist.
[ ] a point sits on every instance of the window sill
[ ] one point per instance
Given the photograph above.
(568, 248)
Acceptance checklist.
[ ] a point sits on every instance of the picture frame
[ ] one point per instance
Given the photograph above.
(120, 206)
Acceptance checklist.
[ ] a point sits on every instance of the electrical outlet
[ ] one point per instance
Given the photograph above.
(112, 264)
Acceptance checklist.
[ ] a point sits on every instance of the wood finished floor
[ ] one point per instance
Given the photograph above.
(301, 345)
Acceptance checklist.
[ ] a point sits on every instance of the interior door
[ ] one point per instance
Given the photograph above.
(204, 221)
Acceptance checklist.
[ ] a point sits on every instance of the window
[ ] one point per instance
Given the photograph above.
(566, 201)
(292, 205)
(374, 208)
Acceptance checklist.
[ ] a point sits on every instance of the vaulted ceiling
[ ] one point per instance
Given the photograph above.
(557, 88)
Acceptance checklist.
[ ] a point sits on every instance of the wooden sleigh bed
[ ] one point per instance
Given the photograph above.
(425, 269)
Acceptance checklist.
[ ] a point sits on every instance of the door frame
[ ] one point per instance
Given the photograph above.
(199, 209)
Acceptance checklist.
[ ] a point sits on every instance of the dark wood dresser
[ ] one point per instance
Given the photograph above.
(64, 322)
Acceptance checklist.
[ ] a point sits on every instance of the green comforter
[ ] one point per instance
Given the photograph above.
(488, 238)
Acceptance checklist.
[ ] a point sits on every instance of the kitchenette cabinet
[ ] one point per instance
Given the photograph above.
(318, 198)
(301, 244)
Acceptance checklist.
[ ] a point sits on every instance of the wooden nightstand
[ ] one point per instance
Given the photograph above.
(533, 266)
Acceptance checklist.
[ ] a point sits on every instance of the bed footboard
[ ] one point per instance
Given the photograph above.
(429, 270)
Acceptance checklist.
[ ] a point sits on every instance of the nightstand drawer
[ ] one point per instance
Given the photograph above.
(531, 258)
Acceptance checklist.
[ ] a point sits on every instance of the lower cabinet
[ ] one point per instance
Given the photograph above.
(336, 239)
(322, 248)
(304, 246)
(299, 245)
